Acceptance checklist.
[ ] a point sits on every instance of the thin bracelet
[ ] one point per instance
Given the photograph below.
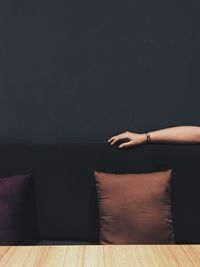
(148, 137)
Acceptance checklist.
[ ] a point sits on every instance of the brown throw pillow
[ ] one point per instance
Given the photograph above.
(135, 208)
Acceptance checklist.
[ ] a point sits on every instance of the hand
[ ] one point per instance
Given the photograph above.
(132, 139)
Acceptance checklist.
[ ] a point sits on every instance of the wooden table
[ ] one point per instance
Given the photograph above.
(101, 256)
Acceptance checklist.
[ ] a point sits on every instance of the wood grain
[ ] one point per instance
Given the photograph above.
(101, 256)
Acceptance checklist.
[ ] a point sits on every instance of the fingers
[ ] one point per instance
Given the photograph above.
(109, 140)
(117, 138)
(127, 144)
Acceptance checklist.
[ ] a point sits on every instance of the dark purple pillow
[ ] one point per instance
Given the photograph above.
(14, 192)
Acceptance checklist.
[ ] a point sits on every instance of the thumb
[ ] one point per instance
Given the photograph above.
(126, 144)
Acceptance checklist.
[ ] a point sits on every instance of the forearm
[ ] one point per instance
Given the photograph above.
(178, 134)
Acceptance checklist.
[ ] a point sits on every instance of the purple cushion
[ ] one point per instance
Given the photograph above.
(14, 191)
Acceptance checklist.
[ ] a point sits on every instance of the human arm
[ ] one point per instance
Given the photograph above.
(178, 134)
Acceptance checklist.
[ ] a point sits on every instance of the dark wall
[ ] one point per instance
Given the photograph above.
(85, 70)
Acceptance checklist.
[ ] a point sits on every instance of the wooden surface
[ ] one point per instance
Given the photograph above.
(101, 256)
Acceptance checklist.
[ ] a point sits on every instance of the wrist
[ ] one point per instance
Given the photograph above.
(143, 137)
(146, 138)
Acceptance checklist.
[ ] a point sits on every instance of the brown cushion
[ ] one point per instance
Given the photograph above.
(135, 208)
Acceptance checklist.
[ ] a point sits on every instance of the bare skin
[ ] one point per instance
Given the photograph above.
(178, 134)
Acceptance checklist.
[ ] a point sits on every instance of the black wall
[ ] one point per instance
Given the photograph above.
(84, 70)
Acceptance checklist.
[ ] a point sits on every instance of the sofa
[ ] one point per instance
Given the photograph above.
(64, 208)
